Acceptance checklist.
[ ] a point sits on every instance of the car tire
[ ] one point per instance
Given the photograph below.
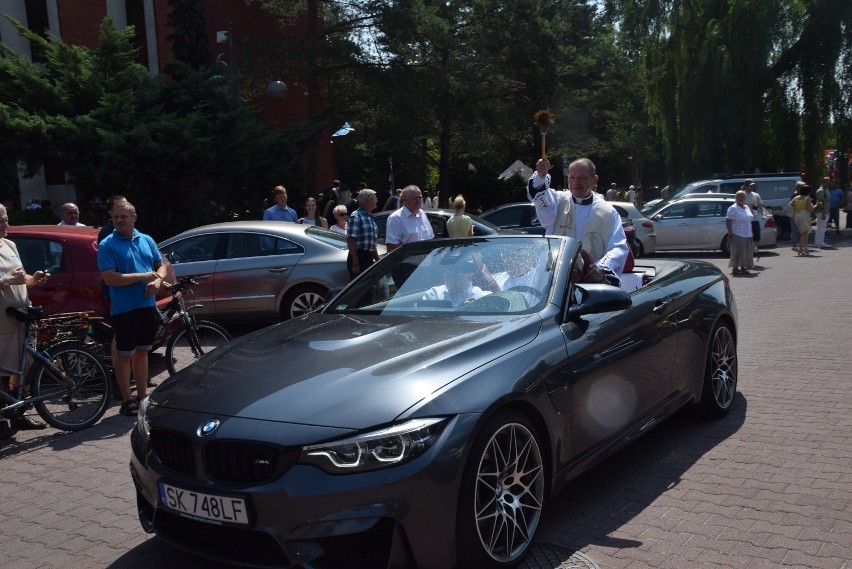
(725, 246)
(502, 494)
(301, 300)
(720, 376)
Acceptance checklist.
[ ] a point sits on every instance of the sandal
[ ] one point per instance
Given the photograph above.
(129, 408)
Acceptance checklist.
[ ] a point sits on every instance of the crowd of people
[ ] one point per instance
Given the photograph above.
(133, 269)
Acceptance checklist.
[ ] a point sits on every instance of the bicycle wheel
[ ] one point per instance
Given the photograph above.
(74, 407)
(183, 349)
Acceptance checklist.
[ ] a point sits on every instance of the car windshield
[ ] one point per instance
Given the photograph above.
(459, 276)
(654, 206)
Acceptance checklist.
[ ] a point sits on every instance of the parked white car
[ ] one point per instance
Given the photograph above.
(646, 235)
(697, 222)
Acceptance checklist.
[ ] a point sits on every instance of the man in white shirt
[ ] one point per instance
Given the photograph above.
(70, 215)
(752, 200)
(523, 272)
(408, 223)
(584, 215)
(458, 288)
(631, 194)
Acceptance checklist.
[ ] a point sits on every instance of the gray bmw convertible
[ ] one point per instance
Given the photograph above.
(425, 414)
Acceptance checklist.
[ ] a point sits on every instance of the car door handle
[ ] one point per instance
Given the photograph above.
(278, 270)
(200, 278)
(660, 306)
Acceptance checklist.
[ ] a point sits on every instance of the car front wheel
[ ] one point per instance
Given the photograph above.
(502, 494)
(720, 380)
(301, 300)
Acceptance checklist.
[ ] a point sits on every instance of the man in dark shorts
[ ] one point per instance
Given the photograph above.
(132, 267)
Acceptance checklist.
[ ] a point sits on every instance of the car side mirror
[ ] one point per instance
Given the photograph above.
(598, 298)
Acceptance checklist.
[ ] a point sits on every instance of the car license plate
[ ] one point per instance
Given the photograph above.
(205, 507)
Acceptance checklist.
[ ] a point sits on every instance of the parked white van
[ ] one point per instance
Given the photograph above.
(775, 190)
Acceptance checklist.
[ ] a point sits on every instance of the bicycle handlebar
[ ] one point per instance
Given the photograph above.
(180, 284)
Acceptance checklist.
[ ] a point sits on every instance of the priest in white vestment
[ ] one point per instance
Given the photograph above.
(580, 212)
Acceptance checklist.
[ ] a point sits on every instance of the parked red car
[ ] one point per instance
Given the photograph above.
(70, 255)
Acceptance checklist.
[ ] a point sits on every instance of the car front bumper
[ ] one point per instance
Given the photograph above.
(397, 517)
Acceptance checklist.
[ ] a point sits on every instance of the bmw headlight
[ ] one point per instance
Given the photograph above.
(385, 448)
(142, 419)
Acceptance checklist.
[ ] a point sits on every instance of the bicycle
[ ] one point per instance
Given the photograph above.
(186, 338)
(68, 383)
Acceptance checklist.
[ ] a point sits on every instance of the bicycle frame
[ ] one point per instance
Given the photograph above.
(176, 316)
(15, 401)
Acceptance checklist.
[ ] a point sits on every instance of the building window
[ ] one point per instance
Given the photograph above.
(38, 23)
(135, 10)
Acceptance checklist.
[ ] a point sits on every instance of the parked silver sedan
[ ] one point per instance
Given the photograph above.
(697, 222)
(259, 270)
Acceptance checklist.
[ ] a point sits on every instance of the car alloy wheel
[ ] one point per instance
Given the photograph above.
(503, 494)
(720, 383)
(302, 300)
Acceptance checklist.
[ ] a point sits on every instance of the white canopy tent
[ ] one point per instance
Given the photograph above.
(518, 168)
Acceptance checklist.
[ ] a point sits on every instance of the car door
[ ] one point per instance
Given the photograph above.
(51, 254)
(251, 274)
(618, 368)
(707, 224)
(196, 256)
(672, 226)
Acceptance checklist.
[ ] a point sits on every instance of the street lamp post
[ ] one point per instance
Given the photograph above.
(275, 90)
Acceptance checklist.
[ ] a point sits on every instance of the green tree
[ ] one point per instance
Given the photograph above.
(172, 147)
(741, 86)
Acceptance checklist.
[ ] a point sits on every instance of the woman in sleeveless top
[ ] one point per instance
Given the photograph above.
(312, 216)
(802, 207)
(459, 225)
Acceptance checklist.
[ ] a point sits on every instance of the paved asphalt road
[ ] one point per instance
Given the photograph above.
(770, 485)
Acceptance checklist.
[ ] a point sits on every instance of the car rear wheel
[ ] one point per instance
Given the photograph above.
(720, 380)
(301, 300)
(502, 494)
(725, 246)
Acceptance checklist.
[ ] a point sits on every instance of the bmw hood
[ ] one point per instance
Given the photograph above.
(341, 371)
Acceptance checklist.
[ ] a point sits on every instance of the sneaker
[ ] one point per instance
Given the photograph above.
(129, 408)
(27, 423)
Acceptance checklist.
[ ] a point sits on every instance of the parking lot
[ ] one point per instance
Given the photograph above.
(766, 486)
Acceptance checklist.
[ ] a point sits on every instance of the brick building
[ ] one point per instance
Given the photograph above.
(78, 21)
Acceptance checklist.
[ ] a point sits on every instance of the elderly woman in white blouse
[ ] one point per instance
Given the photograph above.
(740, 241)
(341, 216)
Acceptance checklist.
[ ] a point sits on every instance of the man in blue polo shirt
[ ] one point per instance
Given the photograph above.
(280, 211)
(132, 267)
